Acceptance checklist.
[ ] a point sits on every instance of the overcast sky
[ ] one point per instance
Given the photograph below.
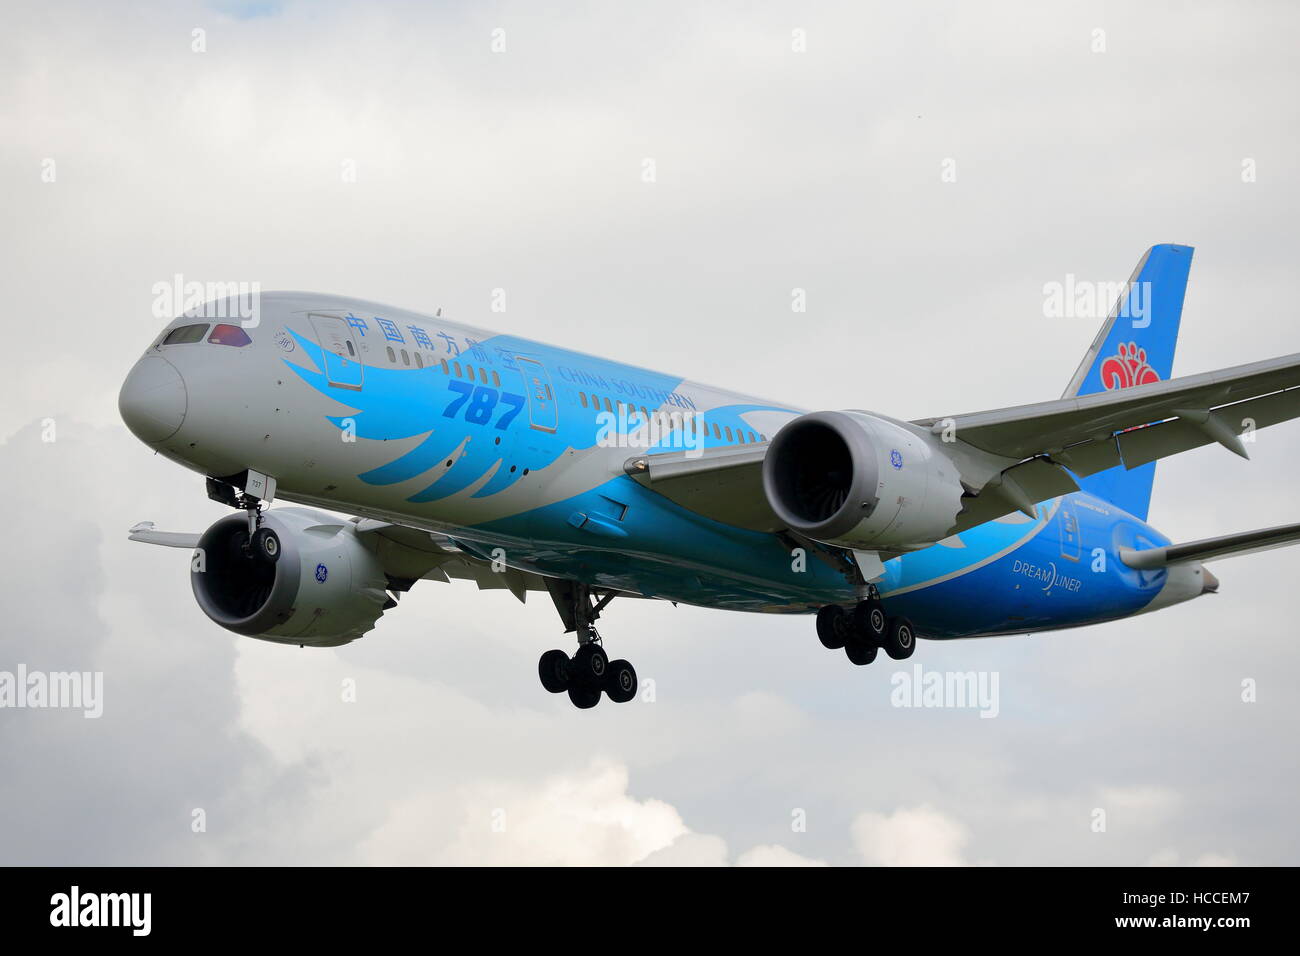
(775, 169)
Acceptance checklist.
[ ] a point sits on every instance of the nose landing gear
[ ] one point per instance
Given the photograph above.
(261, 544)
(589, 672)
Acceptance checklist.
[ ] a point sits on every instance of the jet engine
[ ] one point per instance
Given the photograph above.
(862, 482)
(305, 578)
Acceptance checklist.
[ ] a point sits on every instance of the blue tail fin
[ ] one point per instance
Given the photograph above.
(1136, 346)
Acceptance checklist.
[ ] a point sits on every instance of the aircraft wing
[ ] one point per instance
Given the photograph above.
(1209, 549)
(725, 484)
(406, 554)
(1133, 426)
(144, 532)
(1124, 427)
(1038, 443)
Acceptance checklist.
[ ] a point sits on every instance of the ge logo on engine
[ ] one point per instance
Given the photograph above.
(896, 458)
(322, 573)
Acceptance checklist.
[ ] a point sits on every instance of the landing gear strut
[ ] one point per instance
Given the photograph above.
(589, 671)
(864, 629)
(261, 544)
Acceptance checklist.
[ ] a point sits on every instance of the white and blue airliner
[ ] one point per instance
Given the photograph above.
(457, 452)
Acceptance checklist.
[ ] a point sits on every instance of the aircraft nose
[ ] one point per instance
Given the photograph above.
(153, 400)
(1209, 583)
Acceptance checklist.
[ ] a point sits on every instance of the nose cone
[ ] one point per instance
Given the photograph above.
(153, 400)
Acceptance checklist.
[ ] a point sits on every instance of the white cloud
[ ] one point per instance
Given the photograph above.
(693, 849)
(580, 819)
(919, 836)
(774, 856)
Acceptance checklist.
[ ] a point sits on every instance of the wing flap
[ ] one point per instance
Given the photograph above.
(416, 554)
(1018, 488)
(1178, 435)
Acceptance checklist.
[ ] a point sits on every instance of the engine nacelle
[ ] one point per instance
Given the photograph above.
(858, 481)
(325, 589)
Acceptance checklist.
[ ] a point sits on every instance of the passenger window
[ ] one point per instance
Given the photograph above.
(406, 359)
(728, 433)
(459, 374)
(419, 360)
(482, 374)
(444, 367)
(752, 439)
(496, 379)
(762, 437)
(186, 335)
(351, 351)
(582, 397)
(717, 432)
(608, 408)
(392, 357)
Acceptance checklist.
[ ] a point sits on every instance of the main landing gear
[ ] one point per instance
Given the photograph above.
(589, 671)
(863, 629)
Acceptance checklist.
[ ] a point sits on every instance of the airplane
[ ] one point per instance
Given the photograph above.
(461, 453)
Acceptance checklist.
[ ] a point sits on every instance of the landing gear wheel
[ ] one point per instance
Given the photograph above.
(553, 669)
(620, 681)
(900, 639)
(584, 698)
(590, 665)
(833, 626)
(869, 621)
(266, 546)
(860, 651)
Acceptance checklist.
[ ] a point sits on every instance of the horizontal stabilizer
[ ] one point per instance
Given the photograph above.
(1208, 549)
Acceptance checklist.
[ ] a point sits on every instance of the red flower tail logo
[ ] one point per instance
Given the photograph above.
(1128, 368)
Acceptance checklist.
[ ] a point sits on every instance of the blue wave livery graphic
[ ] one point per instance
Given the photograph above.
(406, 402)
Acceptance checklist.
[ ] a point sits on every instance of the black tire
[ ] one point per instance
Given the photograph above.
(900, 639)
(590, 665)
(860, 651)
(620, 681)
(833, 626)
(266, 546)
(584, 698)
(869, 621)
(553, 669)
